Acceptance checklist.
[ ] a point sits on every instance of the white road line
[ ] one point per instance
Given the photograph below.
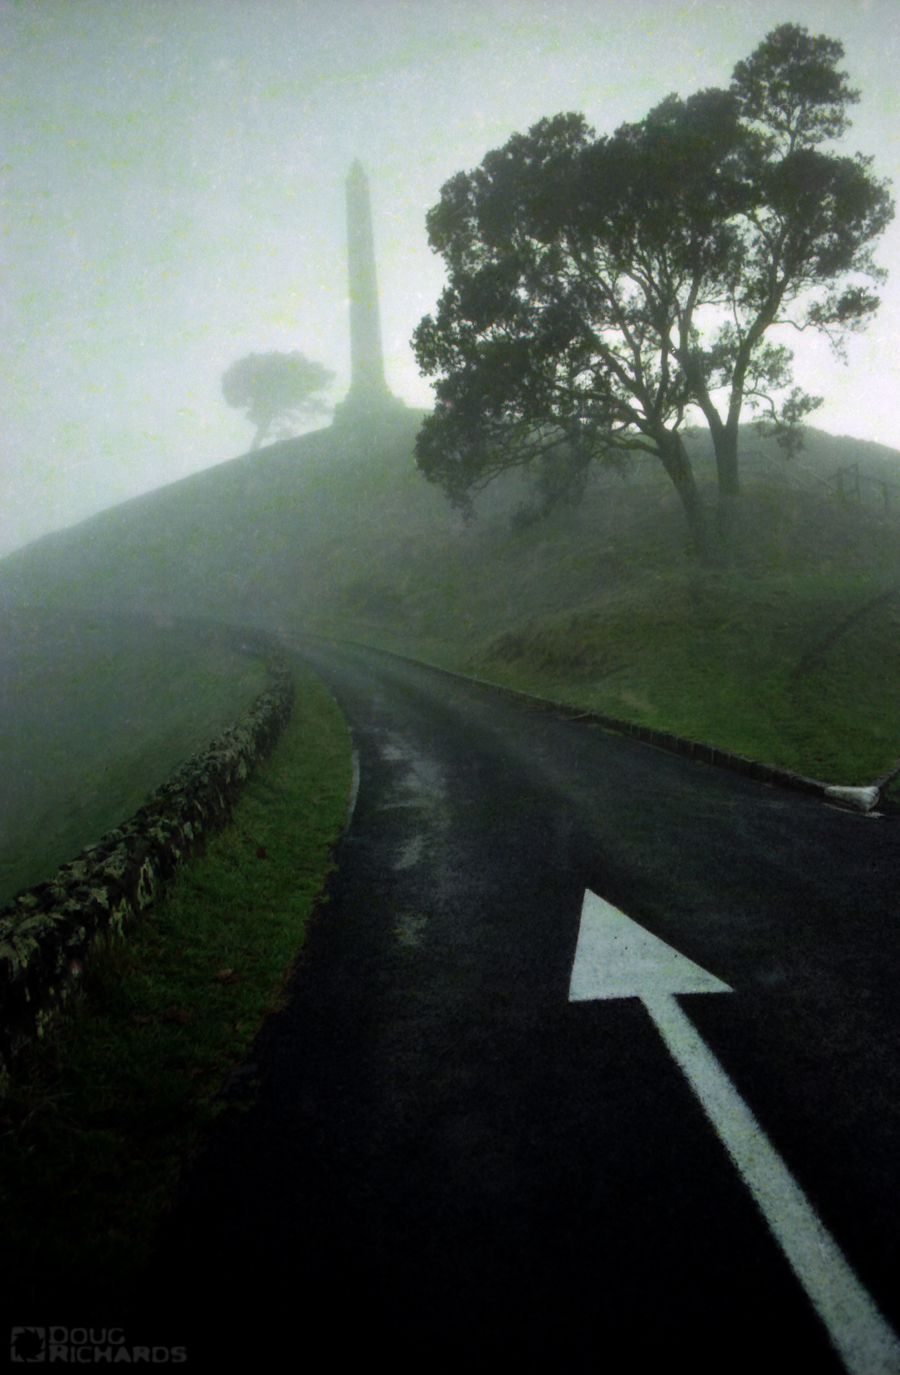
(866, 1344)
(616, 958)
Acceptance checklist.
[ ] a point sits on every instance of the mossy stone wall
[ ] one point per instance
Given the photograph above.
(46, 932)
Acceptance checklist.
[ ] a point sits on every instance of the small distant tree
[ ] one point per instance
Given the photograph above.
(281, 387)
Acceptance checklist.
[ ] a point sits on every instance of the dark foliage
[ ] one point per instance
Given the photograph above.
(600, 288)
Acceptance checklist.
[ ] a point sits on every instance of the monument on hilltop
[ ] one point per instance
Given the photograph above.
(369, 397)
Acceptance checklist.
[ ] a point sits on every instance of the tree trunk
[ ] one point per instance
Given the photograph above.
(261, 431)
(725, 446)
(677, 464)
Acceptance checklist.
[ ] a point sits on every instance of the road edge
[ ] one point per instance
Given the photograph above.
(862, 798)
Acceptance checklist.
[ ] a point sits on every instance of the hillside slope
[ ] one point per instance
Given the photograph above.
(601, 603)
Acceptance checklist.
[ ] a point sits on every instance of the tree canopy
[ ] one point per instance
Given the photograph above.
(275, 387)
(602, 288)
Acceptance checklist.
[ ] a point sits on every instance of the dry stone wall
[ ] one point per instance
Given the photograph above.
(47, 931)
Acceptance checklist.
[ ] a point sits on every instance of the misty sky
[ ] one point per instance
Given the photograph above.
(173, 198)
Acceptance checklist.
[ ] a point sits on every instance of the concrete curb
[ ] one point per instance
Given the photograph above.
(47, 931)
(858, 798)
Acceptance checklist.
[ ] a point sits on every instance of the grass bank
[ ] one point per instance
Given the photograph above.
(800, 670)
(790, 657)
(95, 714)
(600, 603)
(105, 1110)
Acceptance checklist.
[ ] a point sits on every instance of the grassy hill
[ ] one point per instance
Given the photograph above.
(94, 715)
(790, 657)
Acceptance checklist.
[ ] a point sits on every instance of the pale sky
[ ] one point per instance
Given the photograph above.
(173, 198)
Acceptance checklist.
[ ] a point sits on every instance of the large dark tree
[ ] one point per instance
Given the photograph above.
(274, 387)
(599, 289)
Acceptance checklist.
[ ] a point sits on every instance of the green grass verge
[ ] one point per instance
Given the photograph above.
(96, 717)
(755, 664)
(106, 1108)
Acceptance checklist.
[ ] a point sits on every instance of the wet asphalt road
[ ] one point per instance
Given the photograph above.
(446, 1158)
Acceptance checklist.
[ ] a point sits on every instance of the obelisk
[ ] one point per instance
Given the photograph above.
(368, 392)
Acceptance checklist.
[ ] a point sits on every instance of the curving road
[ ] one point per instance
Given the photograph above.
(446, 1154)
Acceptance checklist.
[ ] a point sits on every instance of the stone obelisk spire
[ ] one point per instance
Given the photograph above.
(366, 358)
(368, 392)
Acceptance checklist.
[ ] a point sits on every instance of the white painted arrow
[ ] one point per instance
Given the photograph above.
(616, 958)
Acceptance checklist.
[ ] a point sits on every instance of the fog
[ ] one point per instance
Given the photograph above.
(173, 198)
